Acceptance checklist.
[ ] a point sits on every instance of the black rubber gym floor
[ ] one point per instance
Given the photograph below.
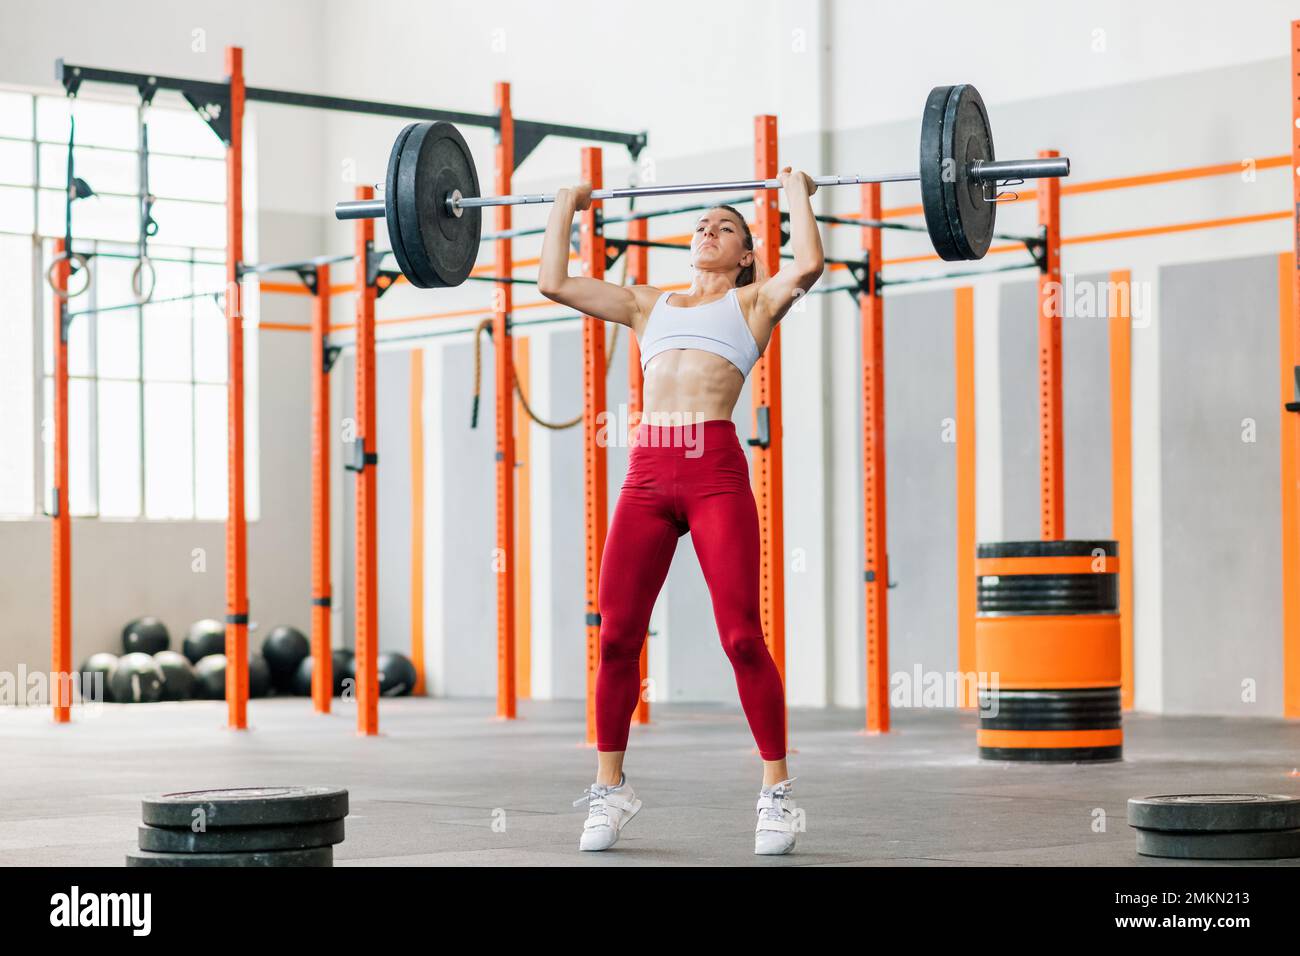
(448, 784)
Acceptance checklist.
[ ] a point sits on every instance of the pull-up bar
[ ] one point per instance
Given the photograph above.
(211, 100)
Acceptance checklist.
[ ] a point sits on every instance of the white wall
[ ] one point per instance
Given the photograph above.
(1121, 89)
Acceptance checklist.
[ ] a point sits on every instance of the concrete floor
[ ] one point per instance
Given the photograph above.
(448, 784)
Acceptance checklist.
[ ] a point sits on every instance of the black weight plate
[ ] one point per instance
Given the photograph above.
(933, 170)
(1215, 812)
(390, 201)
(247, 807)
(241, 839)
(1256, 845)
(315, 856)
(966, 139)
(440, 246)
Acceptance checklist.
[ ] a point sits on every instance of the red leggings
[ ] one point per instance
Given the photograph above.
(685, 478)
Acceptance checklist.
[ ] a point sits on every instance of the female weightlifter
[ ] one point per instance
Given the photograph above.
(688, 472)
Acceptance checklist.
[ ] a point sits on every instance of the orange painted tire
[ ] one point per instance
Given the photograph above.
(1047, 651)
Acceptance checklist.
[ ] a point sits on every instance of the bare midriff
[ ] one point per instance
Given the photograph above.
(689, 385)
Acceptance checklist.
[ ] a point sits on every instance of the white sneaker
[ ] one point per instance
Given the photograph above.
(774, 834)
(610, 809)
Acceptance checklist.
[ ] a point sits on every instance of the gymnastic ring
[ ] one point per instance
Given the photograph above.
(137, 280)
(77, 257)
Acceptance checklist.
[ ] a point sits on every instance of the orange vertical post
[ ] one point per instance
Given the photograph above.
(364, 462)
(638, 271)
(236, 529)
(1289, 292)
(592, 256)
(1051, 439)
(1121, 463)
(765, 392)
(964, 353)
(502, 303)
(523, 529)
(871, 308)
(61, 517)
(322, 677)
(417, 518)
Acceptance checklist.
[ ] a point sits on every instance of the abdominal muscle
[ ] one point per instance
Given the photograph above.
(689, 385)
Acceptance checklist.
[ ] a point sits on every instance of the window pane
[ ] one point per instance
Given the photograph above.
(169, 450)
(17, 463)
(174, 177)
(16, 115)
(210, 451)
(79, 431)
(16, 210)
(167, 342)
(118, 343)
(118, 334)
(119, 449)
(103, 217)
(15, 163)
(47, 443)
(107, 171)
(81, 479)
(190, 224)
(182, 131)
(98, 123)
(209, 327)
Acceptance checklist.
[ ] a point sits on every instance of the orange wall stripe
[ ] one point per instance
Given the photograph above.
(964, 354)
(417, 517)
(523, 529)
(1289, 358)
(1121, 464)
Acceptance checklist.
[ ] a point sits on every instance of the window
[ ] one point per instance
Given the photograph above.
(147, 384)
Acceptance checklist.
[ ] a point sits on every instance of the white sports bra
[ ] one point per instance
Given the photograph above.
(718, 327)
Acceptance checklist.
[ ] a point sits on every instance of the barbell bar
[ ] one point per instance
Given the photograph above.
(979, 170)
(432, 203)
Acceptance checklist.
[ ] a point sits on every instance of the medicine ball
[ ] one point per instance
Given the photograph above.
(396, 675)
(145, 635)
(210, 678)
(259, 676)
(97, 677)
(137, 679)
(204, 638)
(284, 650)
(341, 660)
(178, 675)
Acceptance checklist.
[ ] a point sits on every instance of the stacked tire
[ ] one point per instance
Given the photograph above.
(1047, 651)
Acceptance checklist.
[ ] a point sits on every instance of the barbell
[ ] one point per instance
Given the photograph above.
(433, 207)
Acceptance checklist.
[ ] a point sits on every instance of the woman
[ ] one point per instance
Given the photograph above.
(687, 472)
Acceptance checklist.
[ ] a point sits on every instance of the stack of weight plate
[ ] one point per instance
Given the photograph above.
(255, 826)
(1217, 826)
